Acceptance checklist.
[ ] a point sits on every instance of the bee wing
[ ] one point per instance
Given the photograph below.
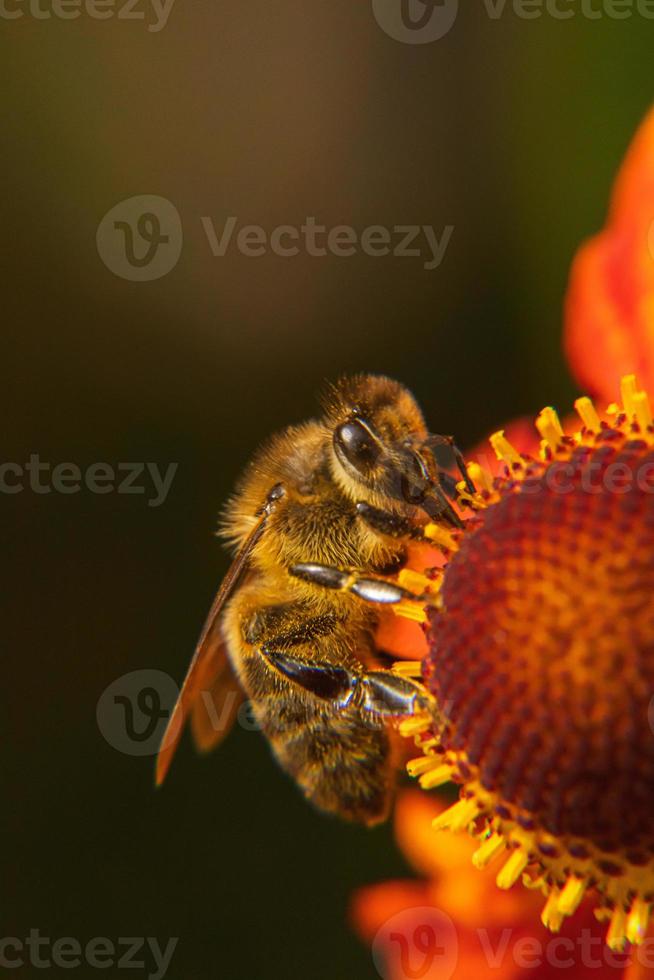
(215, 711)
(209, 674)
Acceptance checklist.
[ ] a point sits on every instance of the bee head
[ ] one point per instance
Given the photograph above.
(381, 449)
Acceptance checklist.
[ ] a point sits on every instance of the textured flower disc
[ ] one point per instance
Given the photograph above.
(542, 666)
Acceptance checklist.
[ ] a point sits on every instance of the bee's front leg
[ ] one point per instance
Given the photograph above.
(392, 525)
(377, 590)
(380, 692)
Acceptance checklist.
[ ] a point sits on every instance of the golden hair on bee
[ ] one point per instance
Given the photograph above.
(320, 522)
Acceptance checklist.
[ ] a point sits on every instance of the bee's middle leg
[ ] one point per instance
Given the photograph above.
(378, 691)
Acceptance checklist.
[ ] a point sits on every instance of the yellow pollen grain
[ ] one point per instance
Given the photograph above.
(571, 895)
(551, 918)
(617, 931)
(513, 868)
(504, 451)
(637, 921)
(410, 610)
(488, 851)
(588, 414)
(457, 817)
(407, 668)
(436, 777)
(549, 426)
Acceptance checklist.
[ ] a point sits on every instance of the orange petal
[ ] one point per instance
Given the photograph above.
(429, 852)
(404, 638)
(371, 907)
(609, 309)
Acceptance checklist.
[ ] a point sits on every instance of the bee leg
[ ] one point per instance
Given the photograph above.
(392, 525)
(445, 477)
(366, 588)
(384, 693)
(327, 681)
(380, 692)
(443, 509)
(463, 469)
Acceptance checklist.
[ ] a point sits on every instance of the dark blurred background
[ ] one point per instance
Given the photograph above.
(510, 130)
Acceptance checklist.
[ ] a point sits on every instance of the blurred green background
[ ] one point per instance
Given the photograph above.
(510, 130)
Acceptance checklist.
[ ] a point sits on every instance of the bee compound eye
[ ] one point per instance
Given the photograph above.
(356, 444)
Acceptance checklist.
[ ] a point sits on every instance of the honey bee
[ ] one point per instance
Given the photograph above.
(320, 523)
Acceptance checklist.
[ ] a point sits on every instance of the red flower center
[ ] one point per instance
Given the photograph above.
(543, 652)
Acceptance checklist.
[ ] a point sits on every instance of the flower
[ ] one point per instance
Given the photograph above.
(454, 925)
(540, 625)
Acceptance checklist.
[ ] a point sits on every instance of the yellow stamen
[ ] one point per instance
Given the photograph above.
(549, 426)
(627, 393)
(415, 725)
(551, 917)
(588, 414)
(410, 610)
(642, 409)
(488, 851)
(504, 451)
(439, 535)
(571, 896)
(407, 668)
(436, 777)
(637, 921)
(481, 478)
(457, 817)
(617, 935)
(423, 764)
(414, 581)
(512, 869)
